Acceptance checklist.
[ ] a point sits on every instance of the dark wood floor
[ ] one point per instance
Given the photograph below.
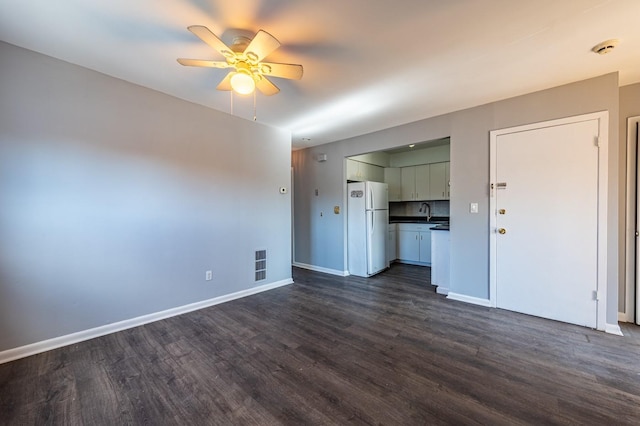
(331, 350)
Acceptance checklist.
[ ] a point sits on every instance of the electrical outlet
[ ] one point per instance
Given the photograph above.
(208, 275)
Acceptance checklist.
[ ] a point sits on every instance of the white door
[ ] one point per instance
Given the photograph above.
(634, 134)
(545, 204)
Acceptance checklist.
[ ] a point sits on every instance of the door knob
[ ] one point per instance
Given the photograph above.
(502, 231)
(502, 211)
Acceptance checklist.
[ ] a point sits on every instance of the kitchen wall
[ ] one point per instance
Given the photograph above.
(116, 199)
(320, 242)
(439, 208)
(436, 154)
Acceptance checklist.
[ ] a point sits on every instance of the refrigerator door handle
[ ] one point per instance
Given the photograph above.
(373, 223)
(373, 201)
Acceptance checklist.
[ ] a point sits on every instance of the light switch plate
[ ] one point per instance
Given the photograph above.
(473, 208)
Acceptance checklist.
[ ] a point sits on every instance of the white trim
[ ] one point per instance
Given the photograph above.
(80, 336)
(321, 269)
(613, 329)
(603, 170)
(469, 299)
(442, 290)
(622, 317)
(345, 227)
(630, 231)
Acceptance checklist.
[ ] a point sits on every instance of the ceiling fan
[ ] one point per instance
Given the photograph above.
(245, 56)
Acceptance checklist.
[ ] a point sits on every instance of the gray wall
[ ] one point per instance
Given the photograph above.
(320, 240)
(116, 199)
(629, 107)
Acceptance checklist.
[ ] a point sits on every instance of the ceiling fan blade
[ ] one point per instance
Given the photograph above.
(203, 63)
(225, 84)
(261, 46)
(212, 40)
(266, 87)
(290, 71)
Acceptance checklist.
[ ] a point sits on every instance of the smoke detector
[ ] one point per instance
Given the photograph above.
(605, 46)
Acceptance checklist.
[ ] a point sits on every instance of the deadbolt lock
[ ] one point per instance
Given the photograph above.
(502, 231)
(502, 211)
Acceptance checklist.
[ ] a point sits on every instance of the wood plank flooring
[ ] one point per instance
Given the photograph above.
(330, 350)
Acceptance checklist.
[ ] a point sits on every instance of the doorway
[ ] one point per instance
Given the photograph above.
(629, 306)
(548, 219)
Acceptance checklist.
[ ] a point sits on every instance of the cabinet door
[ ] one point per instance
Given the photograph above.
(437, 181)
(409, 245)
(371, 172)
(408, 181)
(422, 182)
(353, 170)
(447, 178)
(425, 247)
(392, 247)
(393, 178)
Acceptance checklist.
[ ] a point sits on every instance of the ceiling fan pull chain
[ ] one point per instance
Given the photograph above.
(254, 105)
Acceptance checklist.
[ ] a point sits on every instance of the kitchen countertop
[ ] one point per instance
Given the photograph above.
(440, 220)
(441, 228)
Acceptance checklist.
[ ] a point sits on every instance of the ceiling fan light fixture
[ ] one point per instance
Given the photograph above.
(245, 57)
(243, 83)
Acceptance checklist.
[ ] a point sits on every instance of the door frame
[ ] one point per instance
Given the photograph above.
(603, 156)
(631, 312)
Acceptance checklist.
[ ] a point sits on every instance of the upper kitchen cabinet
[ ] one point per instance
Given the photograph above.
(408, 183)
(415, 183)
(448, 178)
(423, 182)
(439, 181)
(360, 172)
(393, 179)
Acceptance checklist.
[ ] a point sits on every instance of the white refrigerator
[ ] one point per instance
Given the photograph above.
(367, 227)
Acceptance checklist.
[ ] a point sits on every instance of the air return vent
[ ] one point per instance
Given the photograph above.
(261, 265)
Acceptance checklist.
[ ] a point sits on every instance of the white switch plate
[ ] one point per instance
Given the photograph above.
(473, 208)
(208, 275)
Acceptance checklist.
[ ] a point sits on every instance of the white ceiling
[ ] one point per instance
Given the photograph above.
(368, 64)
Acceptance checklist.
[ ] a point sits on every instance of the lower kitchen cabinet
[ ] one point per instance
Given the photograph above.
(392, 244)
(414, 243)
(409, 246)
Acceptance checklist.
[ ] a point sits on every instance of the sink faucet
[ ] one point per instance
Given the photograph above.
(427, 209)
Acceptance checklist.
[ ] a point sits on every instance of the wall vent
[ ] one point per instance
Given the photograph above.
(261, 265)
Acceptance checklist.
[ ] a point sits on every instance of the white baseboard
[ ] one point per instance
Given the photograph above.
(69, 339)
(469, 299)
(442, 290)
(321, 269)
(613, 329)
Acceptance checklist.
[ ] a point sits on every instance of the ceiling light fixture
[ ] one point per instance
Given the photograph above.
(412, 145)
(244, 57)
(243, 83)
